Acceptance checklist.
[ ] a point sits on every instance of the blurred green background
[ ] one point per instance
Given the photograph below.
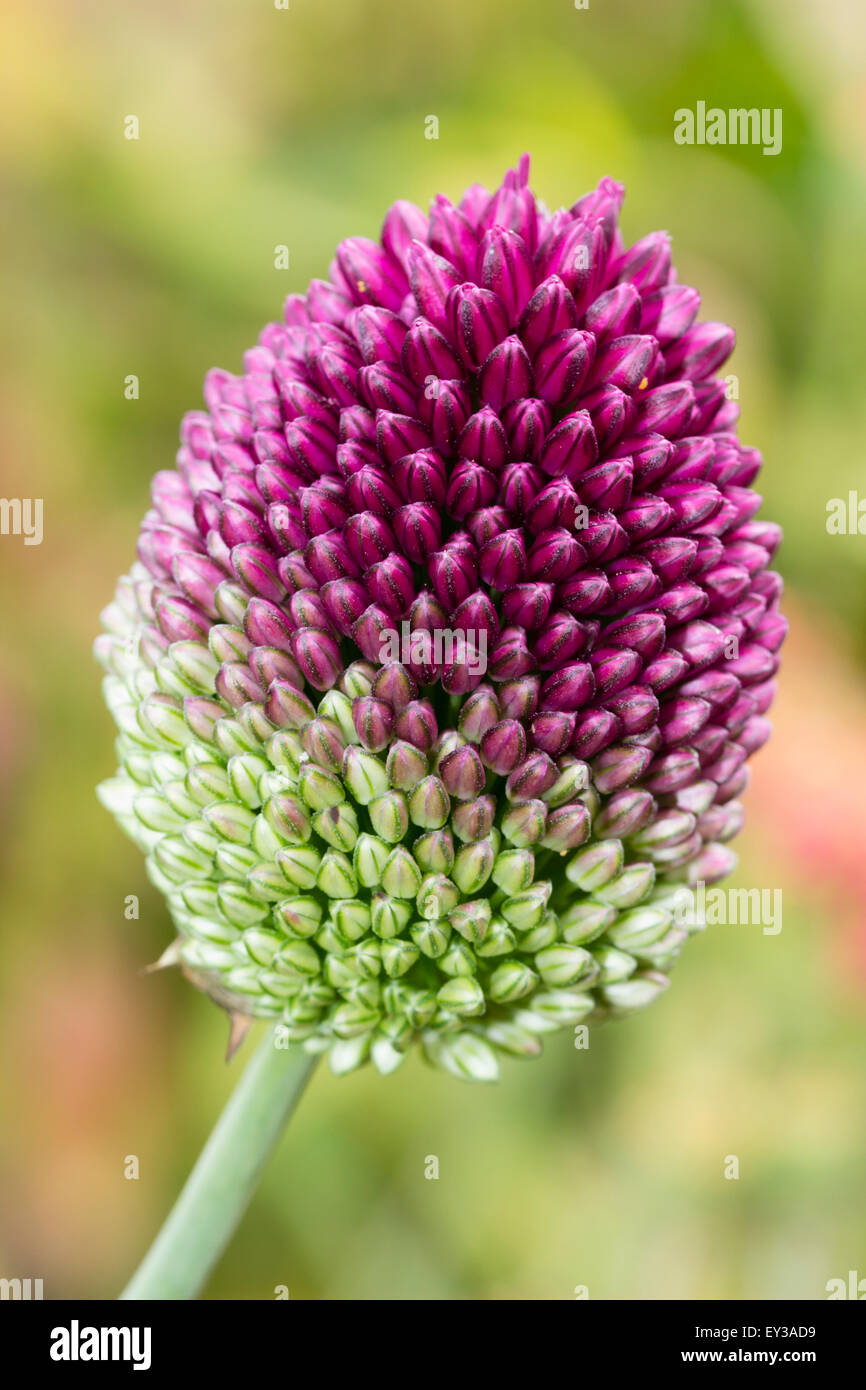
(260, 126)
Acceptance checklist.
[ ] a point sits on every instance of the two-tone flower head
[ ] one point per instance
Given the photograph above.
(449, 638)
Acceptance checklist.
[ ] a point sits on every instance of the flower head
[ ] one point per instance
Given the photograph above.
(449, 638)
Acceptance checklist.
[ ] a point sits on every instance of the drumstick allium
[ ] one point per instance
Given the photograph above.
(449, 639)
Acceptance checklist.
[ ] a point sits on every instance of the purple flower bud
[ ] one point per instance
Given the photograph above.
(647, 264)
(357, 425)
(265, 624)
(618, 766)
(571, 447)
(404, 223)
(256, 568)
(615, 313)
(318, 656)
(636, 708)
(454, 575)
(594, 729)
(477, 322)
(612, 413)
(327, 557)
(418, 528)
(373, 720)
(370, 275)
(502, 561)
(322, 509)
(505, 375)
(560, 638)
(550, 310)
(562, 364)
(463, 773)
(668, 772)
(667, 410)
(628, 362)
(569, 688)
(371, 630)
(532, 778)
(324, 743)
(554, 507)
(552, 731)
(555, 554)
(453, 236)
(416, 724)
(607, 486)
(527, 423)
(476, 614)
(344, 600)
(510, 656)
(372, 490)
(368, 538)
(632, 582)
(588, 591)
(384, 386)
(575, 252)
(668, 313)
(519, 485)
(378, 332)
(399, 435)
(394, 685)
(505, 268)
(613, 668)
(445, 406)
(701, 351)
(431, 277)
(427, 354)
(567, 828)
(483, 439)
(287, 707)
(473, 820)
(503, 746)
(471, 487)
(518, 699)
(528, 605)
(421, 477)
(625, 814)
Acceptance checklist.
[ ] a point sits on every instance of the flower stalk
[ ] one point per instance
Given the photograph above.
(220, 1186)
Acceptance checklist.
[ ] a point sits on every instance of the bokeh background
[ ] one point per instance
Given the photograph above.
(260, 126)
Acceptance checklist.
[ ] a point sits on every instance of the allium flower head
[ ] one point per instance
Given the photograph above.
(449, 638)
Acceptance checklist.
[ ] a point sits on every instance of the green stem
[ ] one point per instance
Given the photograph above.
(218, 1190)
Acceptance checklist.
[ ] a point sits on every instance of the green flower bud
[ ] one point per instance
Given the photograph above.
(635, 930)
(255, 723)
(398, 956)
(511, 980)
(664, 952)
(464, 1055)
(591, 868)
(298, 958)
(285, 751)
(232, 739)
(338, 826)
(161, 720)
(288, 819)
(459, 959)
(401, 877)
(629, 887)
(364, 775)
(434, 852)
(200, 836)
(353, 1019)
(525, 910)
(614, 965)
(298, 916)
(585, 921)
(405, 765)
(389, 816)
(266, 883)
(473, 865)
(568, 786)
(635, 993)
(300, 866)
(320, 788)
(156, 813)
(336, 876)
(462, 995)
(235, 861)
(436, 896)
(511, 1038)
(473, 820)
(238, 907)
(357, 679)
(545, 934)
(565, 965)
(262, 945)
(389, 916)
(178, 798)
(499, 939)
(430, 804)
(472, 920)
(369, 859)
(244, 771)
(179, 861)
(431, 937)
(264, 839)
(514, 870)
(560, 1008)
(524, 825)
(230, 820)
(352, 917)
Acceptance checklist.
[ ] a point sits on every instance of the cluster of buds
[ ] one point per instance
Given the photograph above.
(496, 422)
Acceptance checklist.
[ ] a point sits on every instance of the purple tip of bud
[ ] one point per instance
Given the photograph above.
(607, 486)
(518, 699)
(463, 773)
(571, 447)
(665, 671)
(574, 250)
(322, 509)
(667, 410)
(701, 351)
(615, 313)
(285, 527)
(552, 731)
(318, 656)
(453, 574)
(478, 714)
(266, 625)
(624, 814)
(510, 656)
(471, 487)
(506, 374)
(613, 413)
(503, 746)
(416, 724)
(502, 562)
(445, 406)
(473, 820)
(294, 572)
(199, 577)
(569, 688)
(357, 425)
(647, 264)
(554, 555)
(323, 743)
(370, 274)
(394, 685)
(628, 362)
(312, 446)
(344, 601)
(327, 557)
(618, 766)
(201, 715)
(528, 605)
(483, 440)
(452, 235)
(404, 223)
(399, 435)
(562, 365)
(477, 322)
(632, 582)
(236, 684)
(613, 668)
(561, 638)
(567, 828)
(668, 313)
(587, 592)
(527, 423)
(379, 333)
(505, 268)
(594, 730)
(426, 353)
(550, 310)
(635, 707)
(554, 507)
(421, 477)
(519, 484)
(431, 277)
(418, 528)
(373, 720)
(476, 615)
(368, 538)
(256, 568)
(534, 776)
(700, 643)
(669, 772)
(372, 631)
(385, 387)
(643, 517)
(644, 633)
(680, 719)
